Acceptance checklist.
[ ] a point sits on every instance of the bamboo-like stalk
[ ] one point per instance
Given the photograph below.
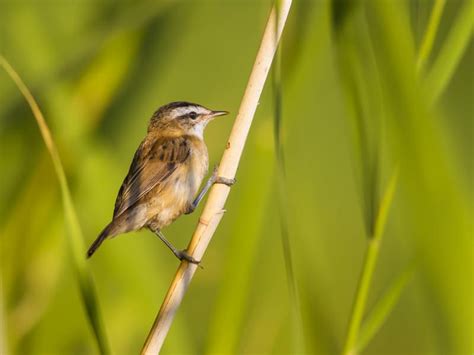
(214, 208)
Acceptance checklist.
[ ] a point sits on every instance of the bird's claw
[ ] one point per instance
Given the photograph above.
(183, 255)
(220, 179)
(224, 180)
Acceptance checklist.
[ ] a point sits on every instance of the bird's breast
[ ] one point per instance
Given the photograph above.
(176, 196)
(198, 166)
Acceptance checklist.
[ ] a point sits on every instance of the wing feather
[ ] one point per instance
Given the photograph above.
(152, 165)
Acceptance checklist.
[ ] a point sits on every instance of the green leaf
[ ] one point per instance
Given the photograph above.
(451, 52)
(385, 204)
(75, 239)
(282, 194)
(383, 308)
(430, 34)
(368, 270)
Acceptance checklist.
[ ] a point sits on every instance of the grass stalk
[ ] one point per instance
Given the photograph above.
(377, 317)
(297, 333)
(451, 52)
(365, 279)
(214, 208)
(430, 34)
(75, 240)
(370, 260)
(354, 342)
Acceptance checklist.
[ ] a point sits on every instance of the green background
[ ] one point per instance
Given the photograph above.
(353, 109)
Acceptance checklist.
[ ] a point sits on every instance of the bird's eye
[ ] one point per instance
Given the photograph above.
(192, 115)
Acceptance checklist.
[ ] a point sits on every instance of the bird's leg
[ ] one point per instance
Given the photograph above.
(213, 179)
(201, 194)
(180, 254)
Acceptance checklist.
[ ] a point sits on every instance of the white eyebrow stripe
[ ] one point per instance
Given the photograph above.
(181, 111)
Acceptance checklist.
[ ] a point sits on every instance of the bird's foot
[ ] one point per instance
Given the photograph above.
(225, 181)
(183, 255)
(190, 208)
(220, 179)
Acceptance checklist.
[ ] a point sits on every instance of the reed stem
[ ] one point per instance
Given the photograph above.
(214, 208)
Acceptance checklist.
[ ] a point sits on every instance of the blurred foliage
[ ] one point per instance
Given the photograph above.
(74, 238)
(98, 71)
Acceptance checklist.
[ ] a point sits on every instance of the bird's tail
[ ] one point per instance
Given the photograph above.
(99, 240)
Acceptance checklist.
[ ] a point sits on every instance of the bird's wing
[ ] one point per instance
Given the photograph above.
(151, 166)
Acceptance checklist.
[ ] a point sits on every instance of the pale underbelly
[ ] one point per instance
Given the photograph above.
(172, 200)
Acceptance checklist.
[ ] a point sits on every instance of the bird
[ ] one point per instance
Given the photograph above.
(165, 174)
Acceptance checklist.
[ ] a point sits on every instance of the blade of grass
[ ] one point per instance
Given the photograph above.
(354, 53)
(297, 332)
(75, 240)
(370, 261)
(451, 52)
(385, 305)
(430, 34)
(357, 78)
(434, 204)
(382, 309)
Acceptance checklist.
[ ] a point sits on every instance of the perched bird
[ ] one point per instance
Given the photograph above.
(165, 174)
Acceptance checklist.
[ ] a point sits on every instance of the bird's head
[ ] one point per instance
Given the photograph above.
(181, 118)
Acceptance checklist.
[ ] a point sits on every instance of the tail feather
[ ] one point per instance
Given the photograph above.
(99, 240)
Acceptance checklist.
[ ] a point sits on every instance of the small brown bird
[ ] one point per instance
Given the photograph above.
(165, 174)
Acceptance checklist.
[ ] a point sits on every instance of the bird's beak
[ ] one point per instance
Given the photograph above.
(214, 114)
